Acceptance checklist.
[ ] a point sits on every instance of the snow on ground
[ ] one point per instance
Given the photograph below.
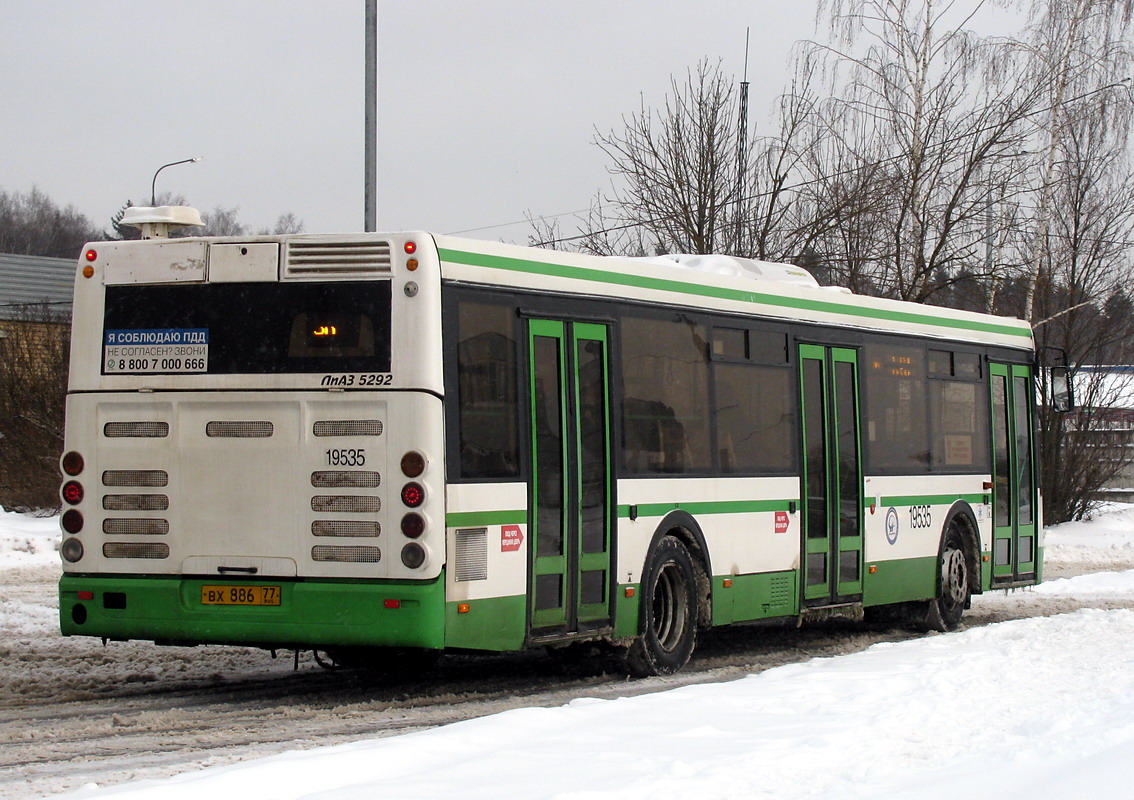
(1038, 708)
(26, 540)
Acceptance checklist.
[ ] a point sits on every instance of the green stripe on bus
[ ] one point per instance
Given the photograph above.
(930, 500)
(718, 507)
(477, 519)
(721, 293)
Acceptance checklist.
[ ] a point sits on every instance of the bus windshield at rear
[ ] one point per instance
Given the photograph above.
(247, 328)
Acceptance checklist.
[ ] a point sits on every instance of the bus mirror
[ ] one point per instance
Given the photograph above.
(1062, 392)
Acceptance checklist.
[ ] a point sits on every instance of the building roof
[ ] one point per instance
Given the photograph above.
(34, 280)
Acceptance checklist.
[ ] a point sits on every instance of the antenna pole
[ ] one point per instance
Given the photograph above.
(742, 151)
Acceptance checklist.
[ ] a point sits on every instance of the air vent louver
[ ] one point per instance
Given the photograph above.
(359, 554)
(335, 527)
(350, 479)
(135, 502)
(135, 477)
(317, 259)
(142, 527)
(471, 557)
(348, 427)
(135, 430)
(347, 504)
(135, 550)
(239, 430)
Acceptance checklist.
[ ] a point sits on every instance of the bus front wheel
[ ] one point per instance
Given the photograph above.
(669, 612)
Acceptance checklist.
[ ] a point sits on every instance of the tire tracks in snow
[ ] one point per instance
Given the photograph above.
(73, 713)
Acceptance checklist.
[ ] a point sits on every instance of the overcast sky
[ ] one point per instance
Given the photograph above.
(486, 110)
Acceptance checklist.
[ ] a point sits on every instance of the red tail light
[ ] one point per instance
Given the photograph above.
(73, 492)
(72, 521)
(413, 464)
(72, 463)
(413, 494)
(413, 525)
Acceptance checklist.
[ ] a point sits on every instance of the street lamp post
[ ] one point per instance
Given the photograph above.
(153, 184)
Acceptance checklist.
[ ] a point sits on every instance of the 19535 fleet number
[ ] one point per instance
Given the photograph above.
(348, 379)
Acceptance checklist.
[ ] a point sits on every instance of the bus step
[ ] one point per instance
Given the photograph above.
(849, 611)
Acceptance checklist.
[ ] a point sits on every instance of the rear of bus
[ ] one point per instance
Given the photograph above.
(254, 443)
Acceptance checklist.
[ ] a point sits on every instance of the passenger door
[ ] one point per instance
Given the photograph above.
(571, 490)
(1014, 503)
(831, 475)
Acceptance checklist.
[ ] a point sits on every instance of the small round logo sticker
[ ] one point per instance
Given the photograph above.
(892, 525)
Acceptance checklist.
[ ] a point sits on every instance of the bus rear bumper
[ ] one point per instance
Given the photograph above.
(309, 614)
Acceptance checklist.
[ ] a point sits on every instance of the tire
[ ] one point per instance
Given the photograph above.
(668, 613)
(943, 612)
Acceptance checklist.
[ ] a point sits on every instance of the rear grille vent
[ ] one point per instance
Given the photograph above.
(351, 480)
(135, 550)
(358, 555)
(240, 430)
(346, 504)
(135, 502)
(471, 557)
(135, 430)
(337, 258)
(335, 527)
(143, 527)
(135, 477)
(348, 427)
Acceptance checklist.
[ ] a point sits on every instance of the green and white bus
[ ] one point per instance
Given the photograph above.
(373, 445)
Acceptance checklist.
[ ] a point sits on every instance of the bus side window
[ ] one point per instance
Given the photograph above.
(486, 389)
(665, 374)
(897, 439)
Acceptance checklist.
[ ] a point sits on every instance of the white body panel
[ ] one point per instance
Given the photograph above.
(238, 502)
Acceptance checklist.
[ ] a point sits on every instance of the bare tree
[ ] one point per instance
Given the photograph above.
(33, 385)
(934, 115)
(1081, 297)
(1081, 59)
(32, 224)
(678, 165)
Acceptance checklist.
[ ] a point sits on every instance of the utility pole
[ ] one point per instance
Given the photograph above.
(371, 102)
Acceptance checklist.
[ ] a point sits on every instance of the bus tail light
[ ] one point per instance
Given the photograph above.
(413, 494)
(413, 464)
(413, 525)
(413, 555)
(73, 492)
(72, 463)
(71, 550)
(72, 521)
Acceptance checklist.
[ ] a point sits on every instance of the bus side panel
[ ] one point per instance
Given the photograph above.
(904, 519)
(749, 528)
(487, 581)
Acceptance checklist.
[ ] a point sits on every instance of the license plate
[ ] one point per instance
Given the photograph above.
(240, 595)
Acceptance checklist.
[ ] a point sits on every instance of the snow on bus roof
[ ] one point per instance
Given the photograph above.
(750, 268)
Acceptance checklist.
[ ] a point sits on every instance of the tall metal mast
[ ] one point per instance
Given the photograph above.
(742, 151)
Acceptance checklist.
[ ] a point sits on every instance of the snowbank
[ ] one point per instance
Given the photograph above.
(1034, 708)
(1038, 708)
(27, 540)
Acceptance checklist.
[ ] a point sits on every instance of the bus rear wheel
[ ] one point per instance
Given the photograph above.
(943, 612)
(669, 612)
